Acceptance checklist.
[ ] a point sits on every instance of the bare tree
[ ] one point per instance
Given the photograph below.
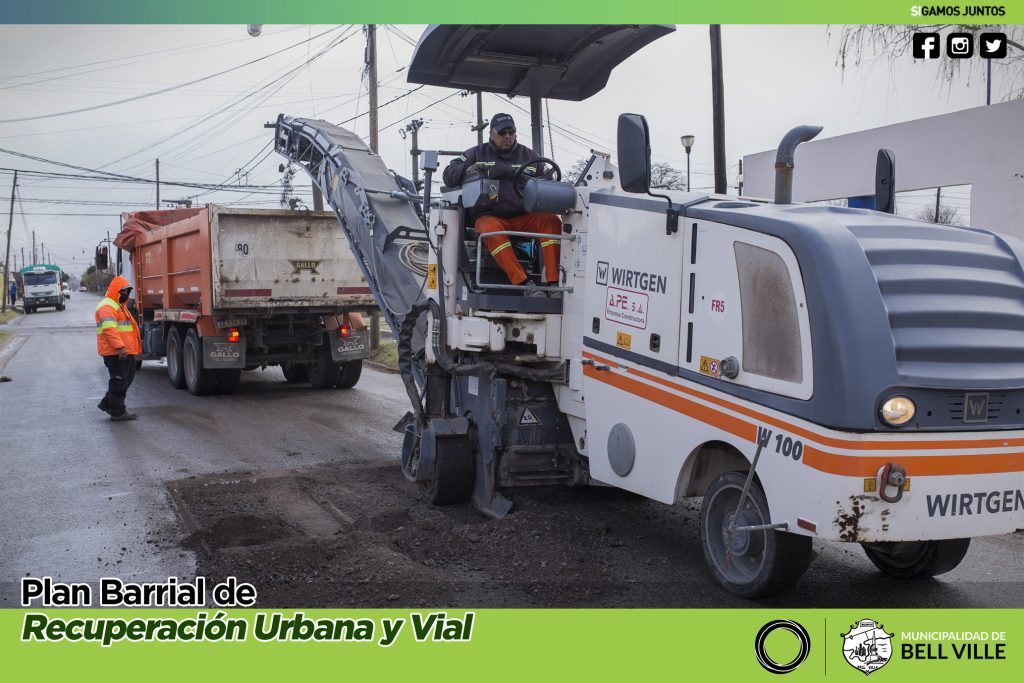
(663, 176)
(858, 42)
(948, 215)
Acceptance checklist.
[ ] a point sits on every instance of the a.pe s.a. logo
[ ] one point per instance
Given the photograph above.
(793, 627)
(867, 646)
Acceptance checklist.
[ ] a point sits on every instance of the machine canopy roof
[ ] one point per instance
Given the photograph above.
(558, 62)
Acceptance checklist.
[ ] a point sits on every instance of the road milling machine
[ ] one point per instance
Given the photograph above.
(810, 371)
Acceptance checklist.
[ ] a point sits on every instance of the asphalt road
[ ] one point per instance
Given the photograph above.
(82, 498)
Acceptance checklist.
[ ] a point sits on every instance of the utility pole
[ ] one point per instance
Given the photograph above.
(414, 127)
(157, 184)
(938, 194)
(480, 117)
(34, 260)
(739, 180)
(7, 260)
(371, 75)
(718, 108)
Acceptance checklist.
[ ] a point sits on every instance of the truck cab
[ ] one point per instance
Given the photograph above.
(42, 287)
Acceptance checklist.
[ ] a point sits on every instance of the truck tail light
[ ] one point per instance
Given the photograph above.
(345, 331)
(233, 335)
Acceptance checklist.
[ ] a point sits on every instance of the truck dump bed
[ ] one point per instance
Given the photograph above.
(215, 260)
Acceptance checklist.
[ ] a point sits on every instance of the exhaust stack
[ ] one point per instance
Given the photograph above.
(784, 161)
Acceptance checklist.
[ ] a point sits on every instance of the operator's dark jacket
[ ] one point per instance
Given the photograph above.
(494, 164)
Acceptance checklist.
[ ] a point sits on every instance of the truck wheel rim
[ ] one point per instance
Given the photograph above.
(739, 556)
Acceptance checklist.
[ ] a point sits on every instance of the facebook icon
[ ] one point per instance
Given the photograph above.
(926, 46)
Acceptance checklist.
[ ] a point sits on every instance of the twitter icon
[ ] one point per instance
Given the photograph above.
(992, 45)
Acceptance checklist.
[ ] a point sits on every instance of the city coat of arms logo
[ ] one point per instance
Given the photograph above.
(867, 646)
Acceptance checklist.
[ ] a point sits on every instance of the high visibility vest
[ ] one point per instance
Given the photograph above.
(117, 331)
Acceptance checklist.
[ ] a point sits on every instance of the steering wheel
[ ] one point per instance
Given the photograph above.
(517, 176)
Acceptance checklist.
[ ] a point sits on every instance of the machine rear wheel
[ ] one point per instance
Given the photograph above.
(175, 371)
(917, 559)
(749, 564)
(198, 380)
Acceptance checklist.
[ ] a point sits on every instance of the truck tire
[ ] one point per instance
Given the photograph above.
(349, 375)
(917, 559)
(294, 373)
(175, 369)
(198, 380)
(228, 381)
(750, 564)
(323, 374)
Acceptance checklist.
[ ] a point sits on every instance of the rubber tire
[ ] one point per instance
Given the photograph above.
(175, 367)
(324, 373)
(924, 560)
(349, 375)
(228, 381)
(453, 477)
(294, 373)
(786, 556)
(60, 307)
(201, 381)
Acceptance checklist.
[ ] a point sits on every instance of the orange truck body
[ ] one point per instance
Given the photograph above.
(276, 282)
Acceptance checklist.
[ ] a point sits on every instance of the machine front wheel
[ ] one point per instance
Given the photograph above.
(749, 564)
(917, 559)
(452, 479)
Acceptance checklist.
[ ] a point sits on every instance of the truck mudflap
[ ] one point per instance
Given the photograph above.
(221, 354)
(352, 347)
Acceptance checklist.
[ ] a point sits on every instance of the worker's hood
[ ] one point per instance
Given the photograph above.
(116, 285)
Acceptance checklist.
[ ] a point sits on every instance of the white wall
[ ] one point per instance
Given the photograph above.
(982, 147)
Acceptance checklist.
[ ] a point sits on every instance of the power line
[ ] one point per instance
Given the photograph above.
(162, 90)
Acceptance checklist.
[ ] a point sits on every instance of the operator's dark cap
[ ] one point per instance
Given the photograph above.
(500, 122)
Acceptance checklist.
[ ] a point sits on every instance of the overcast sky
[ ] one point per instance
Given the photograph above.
(776, 77)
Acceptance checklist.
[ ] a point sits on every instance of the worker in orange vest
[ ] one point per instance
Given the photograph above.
(118, 341)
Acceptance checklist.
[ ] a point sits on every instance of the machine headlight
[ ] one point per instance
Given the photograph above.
(898, 411)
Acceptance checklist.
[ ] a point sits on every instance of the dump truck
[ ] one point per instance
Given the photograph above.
(813, 372)
(42, 287)
(220, 290)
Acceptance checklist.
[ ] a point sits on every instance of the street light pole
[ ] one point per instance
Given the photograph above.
(687, 141)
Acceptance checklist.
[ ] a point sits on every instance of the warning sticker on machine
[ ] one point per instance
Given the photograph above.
(529, 419)
(432, 276)
(709, 366)
(623, 340)
(626, 307)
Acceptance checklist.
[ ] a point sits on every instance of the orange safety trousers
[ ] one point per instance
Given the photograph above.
(501, 249)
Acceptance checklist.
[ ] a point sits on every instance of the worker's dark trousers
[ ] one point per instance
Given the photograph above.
(122, 372)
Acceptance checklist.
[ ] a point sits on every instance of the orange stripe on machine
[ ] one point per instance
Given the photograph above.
(817, 458)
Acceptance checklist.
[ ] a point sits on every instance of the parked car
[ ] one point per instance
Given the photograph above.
(66, 288)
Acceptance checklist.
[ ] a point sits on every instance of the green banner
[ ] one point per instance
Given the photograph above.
(522, 12)
(591, 645)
